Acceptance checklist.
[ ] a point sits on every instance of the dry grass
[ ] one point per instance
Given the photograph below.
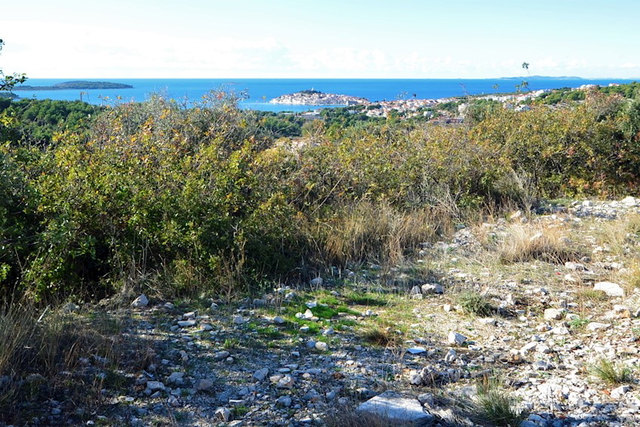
(38, 347)
(526, 243)
(382, 337)
(351, 418)
(619, 236)
(612, 374)
(494, 406)
(379, 232)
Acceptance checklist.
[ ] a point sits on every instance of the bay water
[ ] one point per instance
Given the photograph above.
(258, 92)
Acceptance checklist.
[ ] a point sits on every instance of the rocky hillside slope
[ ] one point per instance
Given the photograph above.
(525, 320)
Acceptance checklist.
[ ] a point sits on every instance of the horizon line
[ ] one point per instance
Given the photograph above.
(342, 78)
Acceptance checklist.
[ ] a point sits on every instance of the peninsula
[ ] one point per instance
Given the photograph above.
(79, 84)
(314, 97)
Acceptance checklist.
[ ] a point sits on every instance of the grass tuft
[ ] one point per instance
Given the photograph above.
(611, 374)
(527, 243)
(494, 406)
(38, 347)
(475, 304)
(353, 418)
(381, 337)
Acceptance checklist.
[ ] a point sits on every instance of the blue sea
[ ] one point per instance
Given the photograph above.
(260, 91)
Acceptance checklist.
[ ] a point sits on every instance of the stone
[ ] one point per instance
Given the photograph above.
(261, 374)
(553, 314)
(155, 385)
(322, 346)
(542, 365)
(415, 293)
(574, 266)
(204, 384)
(284, 401)
(609, 288)
(329, 331)
(221, 355)
(187, 323)
(238, 320)
(285, 382)
(176, 378)
(312, 396)
(223, 414)
(432, 288)
(173, 401)
(451, 356)
(140, 302)
(70, 307)
(595, 326)
(279, 320)
(456, 338)
(394, 406)
(619, 392)
(317, 281)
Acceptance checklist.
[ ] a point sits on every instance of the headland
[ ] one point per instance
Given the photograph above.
(314, 97)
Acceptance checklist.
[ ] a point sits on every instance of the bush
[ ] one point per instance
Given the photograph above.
(200, 199)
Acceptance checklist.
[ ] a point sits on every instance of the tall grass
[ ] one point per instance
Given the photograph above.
(377, 232)
(495, 406)
(529, 243)
(39, 346)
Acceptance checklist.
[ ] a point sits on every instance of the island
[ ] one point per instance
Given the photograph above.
(314, 97)
(79, 84)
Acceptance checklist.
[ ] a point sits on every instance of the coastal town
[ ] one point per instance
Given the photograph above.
(412, 107)
(314, 97)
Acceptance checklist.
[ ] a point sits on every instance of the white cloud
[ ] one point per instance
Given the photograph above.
(94, 51)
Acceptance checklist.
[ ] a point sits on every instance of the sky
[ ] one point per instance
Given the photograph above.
(320, 38)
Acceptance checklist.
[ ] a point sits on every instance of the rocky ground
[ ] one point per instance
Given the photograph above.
(541, 308)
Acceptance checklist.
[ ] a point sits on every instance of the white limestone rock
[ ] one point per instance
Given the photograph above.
(394, 406)
(140, 302)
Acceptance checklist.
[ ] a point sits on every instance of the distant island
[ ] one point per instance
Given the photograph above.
(314, 97)
(79, 84)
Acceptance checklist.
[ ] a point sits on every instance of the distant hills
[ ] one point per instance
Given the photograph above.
(78, 84)
(543, 78)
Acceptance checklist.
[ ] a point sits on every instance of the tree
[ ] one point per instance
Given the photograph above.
(525, 84)
(8, 82)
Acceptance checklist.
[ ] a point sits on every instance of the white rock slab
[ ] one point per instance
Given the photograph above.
(609, 288)
(394, 406)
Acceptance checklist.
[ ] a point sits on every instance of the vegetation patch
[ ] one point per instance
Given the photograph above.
(495, 406)
(475, 304)
(611, 374)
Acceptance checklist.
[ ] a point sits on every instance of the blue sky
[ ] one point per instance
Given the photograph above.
(320, 39)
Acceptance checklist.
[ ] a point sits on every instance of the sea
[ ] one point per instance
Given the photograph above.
(256, 93)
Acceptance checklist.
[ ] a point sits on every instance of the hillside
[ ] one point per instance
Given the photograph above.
(79, 84)
(484, 268)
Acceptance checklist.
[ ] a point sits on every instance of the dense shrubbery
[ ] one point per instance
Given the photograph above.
(211, 199)
(33, 121)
